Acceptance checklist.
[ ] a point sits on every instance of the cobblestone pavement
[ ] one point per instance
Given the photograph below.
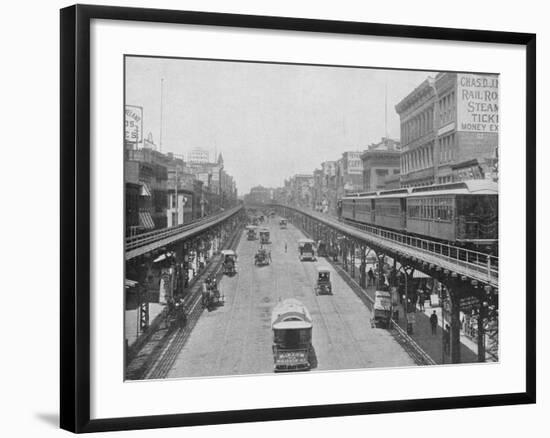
(236, 338)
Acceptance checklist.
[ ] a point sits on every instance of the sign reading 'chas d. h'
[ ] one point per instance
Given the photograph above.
(477, 103)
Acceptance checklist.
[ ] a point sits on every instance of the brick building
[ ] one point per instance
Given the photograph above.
(445, 121)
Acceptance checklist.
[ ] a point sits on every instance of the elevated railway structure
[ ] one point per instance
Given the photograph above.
(161, 259)
(141, 244)
(469, 277)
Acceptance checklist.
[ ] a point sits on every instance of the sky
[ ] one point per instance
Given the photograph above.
(269, 121)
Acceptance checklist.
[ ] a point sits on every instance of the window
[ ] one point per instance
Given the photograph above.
(388, 207)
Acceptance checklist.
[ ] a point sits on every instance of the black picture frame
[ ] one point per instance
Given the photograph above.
(75, 216)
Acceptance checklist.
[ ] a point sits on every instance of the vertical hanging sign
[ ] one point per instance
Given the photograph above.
(133, 124)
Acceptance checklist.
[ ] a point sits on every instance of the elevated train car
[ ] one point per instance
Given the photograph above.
(457, 212)
(463, 213)
(364, 207)
(390, 209)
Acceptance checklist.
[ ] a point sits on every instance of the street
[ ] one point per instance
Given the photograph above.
(236, 338)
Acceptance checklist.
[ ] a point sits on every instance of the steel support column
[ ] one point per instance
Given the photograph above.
(481, 331)
(352, 258)
(454, 335)
(363, 269)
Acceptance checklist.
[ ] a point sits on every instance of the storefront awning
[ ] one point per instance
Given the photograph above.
(145, 190)
(145, 220)
(419, 274)
(130, 283)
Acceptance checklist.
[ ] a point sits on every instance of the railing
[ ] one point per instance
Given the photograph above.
(479, 261)
(140, 240)
(419, 355)
(485, 265)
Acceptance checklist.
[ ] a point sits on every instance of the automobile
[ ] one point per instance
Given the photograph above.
(306, 249)
(323, 286)
(382, 309)
(264, 236)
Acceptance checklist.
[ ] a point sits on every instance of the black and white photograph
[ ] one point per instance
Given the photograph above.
(275, 219)
(285, 218)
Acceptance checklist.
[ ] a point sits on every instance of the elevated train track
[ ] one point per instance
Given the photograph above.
(147, 242)
(469, 263)
(166, 349)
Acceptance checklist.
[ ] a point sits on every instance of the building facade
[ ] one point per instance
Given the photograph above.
(380, 162)
(349, 173)
(301, 190)
(162, 190)
(258, 195)
(198, 155)
(447, 121)
(147, 168)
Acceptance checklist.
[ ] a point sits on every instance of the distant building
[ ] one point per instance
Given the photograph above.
(317, 189)
(198, 155)
(380, 162)
(349, 173)
(281, 195)
(329, 173)
(445, 121)
(301, 190)
(258, 195)
(180, 192)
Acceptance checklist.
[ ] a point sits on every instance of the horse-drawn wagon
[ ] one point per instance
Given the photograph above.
(229, 262)
(262, 257)
(211, 296)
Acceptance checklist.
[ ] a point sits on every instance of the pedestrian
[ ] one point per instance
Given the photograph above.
(447, 339)
(433, 322)
(421, 301)
(285, 246)
(371, 276)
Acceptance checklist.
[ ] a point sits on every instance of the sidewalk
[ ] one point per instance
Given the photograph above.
(433, 344)
(131, 321)
(422, 331)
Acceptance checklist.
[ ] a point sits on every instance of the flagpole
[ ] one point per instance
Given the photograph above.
(161, 110)
(386, 108)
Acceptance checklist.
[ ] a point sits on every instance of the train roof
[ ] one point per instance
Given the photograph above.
(226, 252)
(475, 186)
(396, 193)
(323, 269)
(290, 314)
(306, 241)
(360, 195)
